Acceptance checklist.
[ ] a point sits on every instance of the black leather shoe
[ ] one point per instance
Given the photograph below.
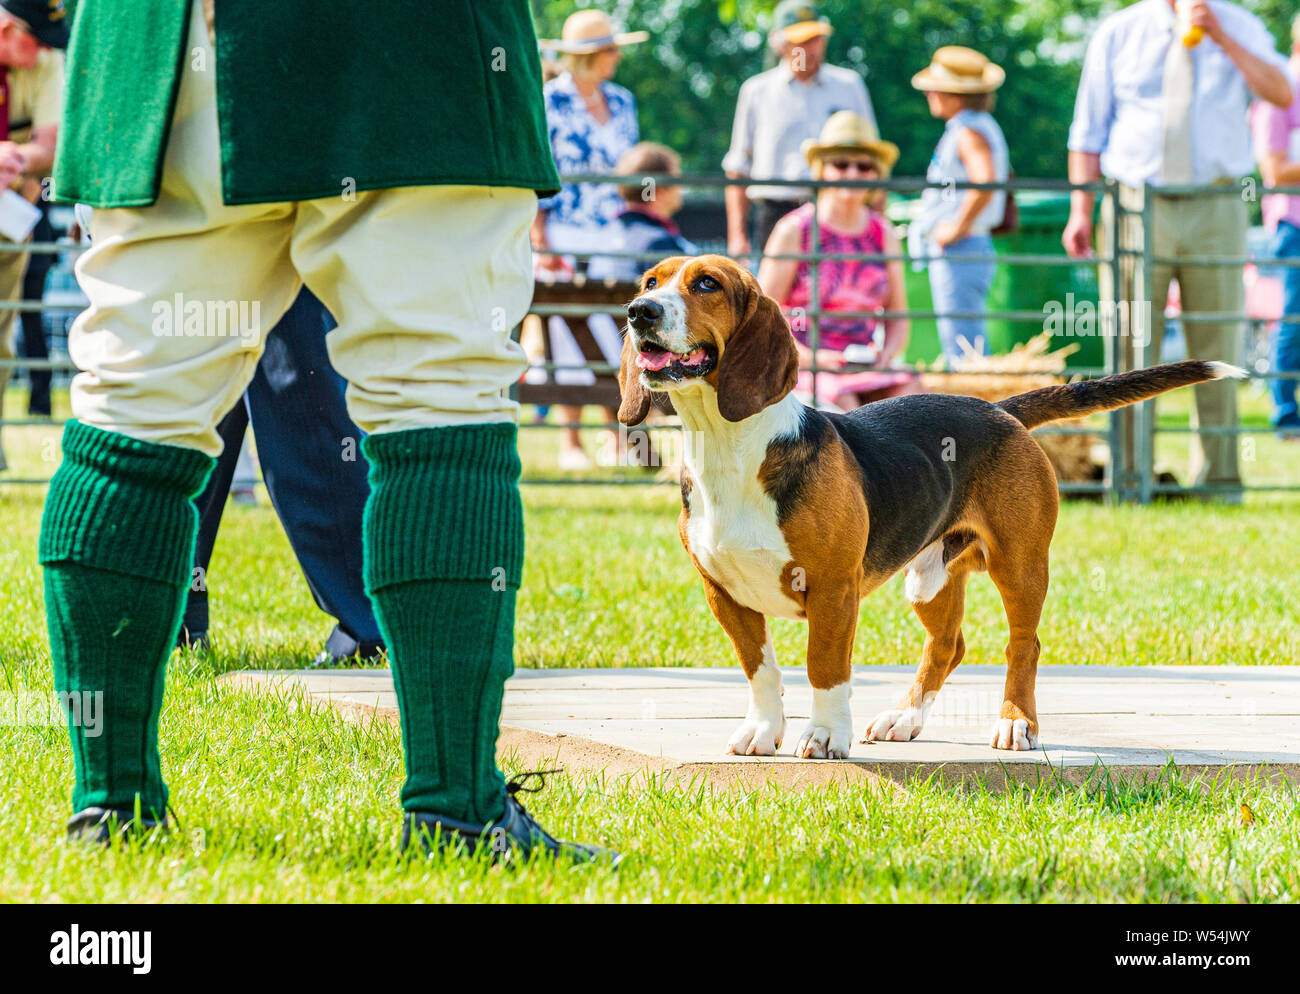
(102, 825)
(326, 660)
(341, 649)
(515, 836)
(194, 641)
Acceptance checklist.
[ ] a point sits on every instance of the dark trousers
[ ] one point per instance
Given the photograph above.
(766, 214)
(310, 451)
(34, 345)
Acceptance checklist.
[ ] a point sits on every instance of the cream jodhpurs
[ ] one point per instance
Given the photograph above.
(426, 284)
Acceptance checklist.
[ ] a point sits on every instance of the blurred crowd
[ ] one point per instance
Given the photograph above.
(1170, 93)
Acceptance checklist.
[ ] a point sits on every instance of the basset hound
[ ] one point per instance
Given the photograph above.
(791, 512)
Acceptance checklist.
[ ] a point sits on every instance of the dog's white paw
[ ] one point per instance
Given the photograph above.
(757, 737)
(1013, 734)
(829, 734)
(821, 742)
(895, 725)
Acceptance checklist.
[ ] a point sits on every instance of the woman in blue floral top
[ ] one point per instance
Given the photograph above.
(592, 123)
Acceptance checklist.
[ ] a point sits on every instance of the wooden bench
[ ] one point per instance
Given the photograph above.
(589, 293)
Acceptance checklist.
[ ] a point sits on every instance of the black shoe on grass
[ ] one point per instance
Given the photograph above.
(193, 641)
(368, 654)
(514, 836)
(101, 826)
(343, 650)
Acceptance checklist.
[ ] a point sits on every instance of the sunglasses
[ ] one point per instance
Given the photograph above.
(844, 165)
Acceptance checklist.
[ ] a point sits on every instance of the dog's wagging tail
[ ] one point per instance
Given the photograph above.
(1075, 400)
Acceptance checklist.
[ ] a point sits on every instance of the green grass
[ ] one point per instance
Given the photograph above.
(278, 801)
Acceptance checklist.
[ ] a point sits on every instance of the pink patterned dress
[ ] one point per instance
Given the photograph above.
(843, 285)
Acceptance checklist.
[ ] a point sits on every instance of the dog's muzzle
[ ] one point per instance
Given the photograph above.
(644, 313)
(653, 357)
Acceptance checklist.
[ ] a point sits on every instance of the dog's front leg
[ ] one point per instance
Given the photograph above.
(832, 621)
(761, 732)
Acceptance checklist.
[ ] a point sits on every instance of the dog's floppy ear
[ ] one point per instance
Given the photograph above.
(635, 402)
(759, 365)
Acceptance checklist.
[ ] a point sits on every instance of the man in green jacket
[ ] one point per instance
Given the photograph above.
(390, 160)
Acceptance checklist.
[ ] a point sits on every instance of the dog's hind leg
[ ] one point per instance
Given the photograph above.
(1018, 568)
(1023, 586)
(761, 732)
(1019, 537)
(944, 647)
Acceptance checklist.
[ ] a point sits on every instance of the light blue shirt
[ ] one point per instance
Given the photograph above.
(1119, 112)
(944, 203)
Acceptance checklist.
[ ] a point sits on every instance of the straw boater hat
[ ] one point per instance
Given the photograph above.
(590, 31)
(955, 69)
(846, 131)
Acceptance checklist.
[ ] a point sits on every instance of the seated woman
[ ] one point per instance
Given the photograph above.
(849, 148)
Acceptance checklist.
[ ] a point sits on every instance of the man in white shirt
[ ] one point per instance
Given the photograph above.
(1157, 107)
(778, 111)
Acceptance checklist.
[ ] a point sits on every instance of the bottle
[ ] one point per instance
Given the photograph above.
(1191, 34)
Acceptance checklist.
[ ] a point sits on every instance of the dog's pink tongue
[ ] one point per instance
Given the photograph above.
(653, 360)
(693, 358)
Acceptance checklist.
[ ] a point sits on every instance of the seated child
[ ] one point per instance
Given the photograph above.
(645, 224)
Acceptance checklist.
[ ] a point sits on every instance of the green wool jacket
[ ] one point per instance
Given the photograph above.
(313, 98)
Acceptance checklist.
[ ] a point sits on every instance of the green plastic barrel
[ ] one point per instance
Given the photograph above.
(1015, 288)
(1043, 217)
(923, 341)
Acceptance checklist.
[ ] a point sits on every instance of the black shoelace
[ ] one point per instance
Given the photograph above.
(516, 786)
(517, 782)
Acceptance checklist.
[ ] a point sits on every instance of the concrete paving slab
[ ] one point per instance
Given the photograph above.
(1132, 719)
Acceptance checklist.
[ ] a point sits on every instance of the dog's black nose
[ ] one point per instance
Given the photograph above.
(644, 313)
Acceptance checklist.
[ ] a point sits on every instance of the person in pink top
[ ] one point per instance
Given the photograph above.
(849, 148)
(1276, 131)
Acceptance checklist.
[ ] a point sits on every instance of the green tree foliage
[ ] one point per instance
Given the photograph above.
(687, 76)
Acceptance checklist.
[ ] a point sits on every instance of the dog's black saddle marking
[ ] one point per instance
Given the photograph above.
(918, 456)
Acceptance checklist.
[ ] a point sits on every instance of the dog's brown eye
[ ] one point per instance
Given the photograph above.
(707, 284)
(651, 283)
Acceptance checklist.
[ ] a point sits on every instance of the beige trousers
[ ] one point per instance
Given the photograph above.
(1208, 225)
(13, 266)
(425, 282)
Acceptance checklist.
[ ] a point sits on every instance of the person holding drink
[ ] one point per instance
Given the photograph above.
(1162, 104)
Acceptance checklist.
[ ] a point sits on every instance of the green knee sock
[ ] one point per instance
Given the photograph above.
(117, 544)
(444, 543)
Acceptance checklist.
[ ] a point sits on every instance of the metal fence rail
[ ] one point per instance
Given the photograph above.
(1129, 431)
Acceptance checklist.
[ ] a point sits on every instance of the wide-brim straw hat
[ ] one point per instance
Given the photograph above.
(590, 31)
(847, 131)
(955, 69)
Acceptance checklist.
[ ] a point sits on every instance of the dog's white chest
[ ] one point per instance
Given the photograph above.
(737, 540)
(731, 522)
